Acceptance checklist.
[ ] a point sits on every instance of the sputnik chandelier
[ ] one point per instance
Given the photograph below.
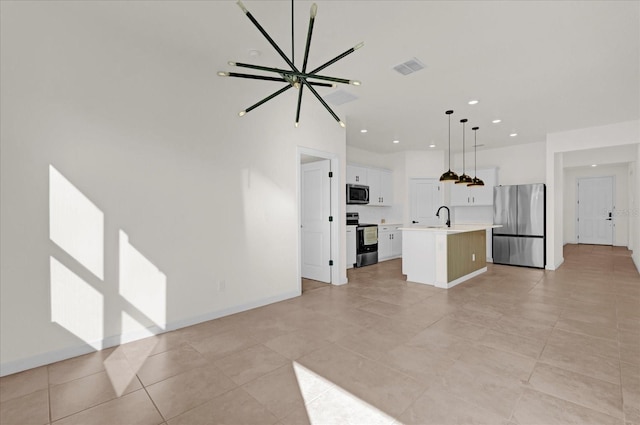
(297, 78)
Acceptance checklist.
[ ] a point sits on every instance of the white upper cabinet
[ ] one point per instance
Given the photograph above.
(357, 174)
(380, 183)
(380, 187)
(461, 196)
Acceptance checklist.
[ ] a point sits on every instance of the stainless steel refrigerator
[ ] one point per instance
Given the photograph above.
(520, 209)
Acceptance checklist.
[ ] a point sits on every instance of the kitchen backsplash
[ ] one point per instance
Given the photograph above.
(374, 215)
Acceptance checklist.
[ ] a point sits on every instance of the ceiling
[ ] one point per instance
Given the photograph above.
(538, 66)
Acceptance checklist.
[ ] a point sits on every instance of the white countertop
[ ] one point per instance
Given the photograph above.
(455, 228)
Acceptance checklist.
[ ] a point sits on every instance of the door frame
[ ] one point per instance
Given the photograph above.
(336, 224)
(613, 207)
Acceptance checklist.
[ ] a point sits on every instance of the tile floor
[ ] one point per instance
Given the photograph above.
(512, 346)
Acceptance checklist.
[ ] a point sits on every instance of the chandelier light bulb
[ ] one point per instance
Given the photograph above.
(341, 124)
(241, 6)
(355, 82)
(223, 74)
(242, 113)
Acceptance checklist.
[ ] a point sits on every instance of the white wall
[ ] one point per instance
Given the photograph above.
(130, 189)
(620, 199)
(518, 164)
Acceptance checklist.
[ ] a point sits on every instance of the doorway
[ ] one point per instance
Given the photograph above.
(318, 209)
(595, 210)
(424, 199)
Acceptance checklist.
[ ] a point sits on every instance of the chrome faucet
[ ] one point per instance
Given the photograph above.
(448, 215)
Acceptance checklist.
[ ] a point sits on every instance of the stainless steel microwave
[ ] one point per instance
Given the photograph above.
(357, 194)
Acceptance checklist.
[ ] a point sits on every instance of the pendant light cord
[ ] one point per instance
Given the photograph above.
(464, 168)
(449, 141)
(475, 153)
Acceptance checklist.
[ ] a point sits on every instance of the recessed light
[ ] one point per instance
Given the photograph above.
(396, 141)
(364, 130)
(496, 121)
(432, 145)
(513, 134)
(594, 165)
(472, 102)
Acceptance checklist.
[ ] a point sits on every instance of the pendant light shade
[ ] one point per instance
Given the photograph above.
(476, 181)
(464, 178)
(449, 176)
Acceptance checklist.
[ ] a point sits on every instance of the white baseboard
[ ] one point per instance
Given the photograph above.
(555, 266)
(15, 366)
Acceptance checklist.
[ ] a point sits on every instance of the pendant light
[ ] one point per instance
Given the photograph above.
(476, 181)
(449, 176)
(464, 179)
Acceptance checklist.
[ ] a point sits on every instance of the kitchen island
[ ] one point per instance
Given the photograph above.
(444, 256)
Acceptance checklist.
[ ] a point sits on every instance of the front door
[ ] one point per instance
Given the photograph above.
(316, 228)
(595, 210)
(424, 199)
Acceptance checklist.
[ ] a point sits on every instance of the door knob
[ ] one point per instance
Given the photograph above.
(414, 222)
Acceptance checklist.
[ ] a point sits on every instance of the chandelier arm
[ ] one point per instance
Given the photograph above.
(312, 20)
(321, 100)
(256, 77)
(334, 79)
(299, 103)
(337, 58)
(268, 98)
(268, 37)
(267, 78)
(294, 73)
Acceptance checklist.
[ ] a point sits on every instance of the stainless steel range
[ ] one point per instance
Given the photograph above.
(366, 240)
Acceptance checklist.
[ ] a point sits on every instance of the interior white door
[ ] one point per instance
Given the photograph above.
(316, 228)
(595, 210)
(424, 199)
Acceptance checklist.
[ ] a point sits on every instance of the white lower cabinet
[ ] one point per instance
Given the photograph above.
(389, 242)
(351, 246)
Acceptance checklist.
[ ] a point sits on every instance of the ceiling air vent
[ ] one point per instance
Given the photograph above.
(340, 97)
(409, 67)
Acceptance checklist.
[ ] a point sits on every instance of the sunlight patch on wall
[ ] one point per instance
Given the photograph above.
(327, 403)
(76, 305)
(75, 224)
(141, 283)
